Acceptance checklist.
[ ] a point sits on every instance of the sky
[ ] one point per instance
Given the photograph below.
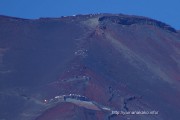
(164, 10)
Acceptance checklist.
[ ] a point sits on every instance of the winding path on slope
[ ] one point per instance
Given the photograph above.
(86, 103)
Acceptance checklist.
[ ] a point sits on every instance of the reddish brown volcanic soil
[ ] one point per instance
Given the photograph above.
(126, 63)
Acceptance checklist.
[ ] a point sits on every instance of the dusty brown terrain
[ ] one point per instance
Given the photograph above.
(126, 63)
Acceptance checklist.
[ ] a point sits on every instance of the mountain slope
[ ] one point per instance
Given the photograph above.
(119, 62)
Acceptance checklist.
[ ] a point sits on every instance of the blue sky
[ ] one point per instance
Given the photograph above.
(163, 10)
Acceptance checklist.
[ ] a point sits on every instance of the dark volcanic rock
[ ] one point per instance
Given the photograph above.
(129, 20)
(106, 63)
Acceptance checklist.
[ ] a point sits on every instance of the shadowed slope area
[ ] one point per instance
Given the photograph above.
(119, 62)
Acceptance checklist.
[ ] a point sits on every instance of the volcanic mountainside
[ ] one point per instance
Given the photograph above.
(89, 67)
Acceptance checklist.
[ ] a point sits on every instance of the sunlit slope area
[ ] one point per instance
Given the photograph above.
(99, 65)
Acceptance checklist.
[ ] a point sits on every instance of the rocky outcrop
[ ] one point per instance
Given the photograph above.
(129, 20)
